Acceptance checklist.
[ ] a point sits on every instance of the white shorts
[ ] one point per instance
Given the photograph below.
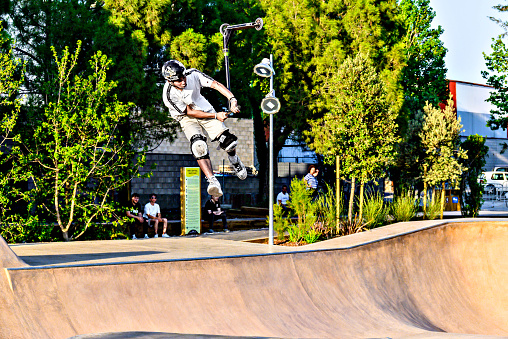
(192, 126)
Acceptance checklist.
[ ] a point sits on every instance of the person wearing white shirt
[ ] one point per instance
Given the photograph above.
(182, 96)
(153, 215)
(283, 198)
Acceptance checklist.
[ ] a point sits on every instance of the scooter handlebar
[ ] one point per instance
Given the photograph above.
(258, 24)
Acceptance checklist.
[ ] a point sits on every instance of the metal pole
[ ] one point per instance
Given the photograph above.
(270, 182)
(226, 30)
(226, 62)
(223, 179)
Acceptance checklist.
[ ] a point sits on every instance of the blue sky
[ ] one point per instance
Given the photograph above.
(467, 33)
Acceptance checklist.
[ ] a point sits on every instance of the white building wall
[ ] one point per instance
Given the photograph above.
(474, 112)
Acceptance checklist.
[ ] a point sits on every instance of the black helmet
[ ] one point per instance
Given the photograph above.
(173, 70)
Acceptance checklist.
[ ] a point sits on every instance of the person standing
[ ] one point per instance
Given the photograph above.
(153, 215)
(134, 212)
(311, 177)
(182, 96)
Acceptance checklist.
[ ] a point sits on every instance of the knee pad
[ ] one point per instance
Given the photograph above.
(228, 141)
(198, 146)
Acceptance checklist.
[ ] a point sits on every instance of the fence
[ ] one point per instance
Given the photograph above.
(496, 196)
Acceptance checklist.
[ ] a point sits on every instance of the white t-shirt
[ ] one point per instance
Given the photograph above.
(283, 198)
(152, 210)
(177, 100)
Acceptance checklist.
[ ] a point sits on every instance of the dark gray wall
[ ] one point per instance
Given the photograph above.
(165, 182)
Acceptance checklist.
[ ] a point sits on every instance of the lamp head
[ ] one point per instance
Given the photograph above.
(264, 69)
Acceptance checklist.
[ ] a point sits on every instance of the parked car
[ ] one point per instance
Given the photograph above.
(494, 181)
(500, 169)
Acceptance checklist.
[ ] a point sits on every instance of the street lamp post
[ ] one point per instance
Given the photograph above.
(269, 105)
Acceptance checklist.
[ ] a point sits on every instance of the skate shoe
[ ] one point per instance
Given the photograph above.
(240, 170)
(214, 187)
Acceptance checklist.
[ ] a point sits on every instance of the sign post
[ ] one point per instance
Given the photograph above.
(190, 199)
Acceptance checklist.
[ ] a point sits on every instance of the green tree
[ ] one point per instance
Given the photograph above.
(471, 200)
(310, 40)
(497, 77)
(424, 77)
(38, 25)
(424, 80)
(137, 36)
(441, 142)
(77, 159)
(11, 78)
(360, 127)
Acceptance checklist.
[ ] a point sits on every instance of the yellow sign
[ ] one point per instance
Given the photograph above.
(190, 199)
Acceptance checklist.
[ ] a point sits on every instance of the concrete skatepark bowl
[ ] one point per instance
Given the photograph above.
(449, 280)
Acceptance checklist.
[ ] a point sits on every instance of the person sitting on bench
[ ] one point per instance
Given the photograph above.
(135, 213)
(214, 212)
(153, 215)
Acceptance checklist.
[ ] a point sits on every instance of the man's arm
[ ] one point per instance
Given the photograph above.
(227, 93)
(194, 113)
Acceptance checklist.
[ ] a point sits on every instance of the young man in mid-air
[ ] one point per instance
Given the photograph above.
(182, 95)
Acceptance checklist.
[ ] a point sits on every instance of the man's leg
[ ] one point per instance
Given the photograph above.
(165, 226)
(206, 167)
(133, 229)
(214, 188)
(145, 228)
(156, 227)
(224, 222)
(147, 223)
(192, 128)
(240, 170)
(228, 142)
(210, 223)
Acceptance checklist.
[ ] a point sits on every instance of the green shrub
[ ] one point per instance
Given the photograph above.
(326, 213)
(305, 210)
(404, 207)
(280, 221)
(312, 235)
(433, 209)
(27, 231)
(295, 233)
(374, 210)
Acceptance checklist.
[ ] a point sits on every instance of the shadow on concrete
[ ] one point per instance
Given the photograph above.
(38, 260)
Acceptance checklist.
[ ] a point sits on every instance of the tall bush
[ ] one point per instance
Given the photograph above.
(472, 199)
(375, 211)
(327, 212)
(305, 211)
(280, 221)
(433, 208)
(404, 206)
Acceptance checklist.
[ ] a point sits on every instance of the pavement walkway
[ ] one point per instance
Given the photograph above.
(204, 246)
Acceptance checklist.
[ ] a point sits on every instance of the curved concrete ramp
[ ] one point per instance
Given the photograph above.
(437, 282)
(7, 257)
